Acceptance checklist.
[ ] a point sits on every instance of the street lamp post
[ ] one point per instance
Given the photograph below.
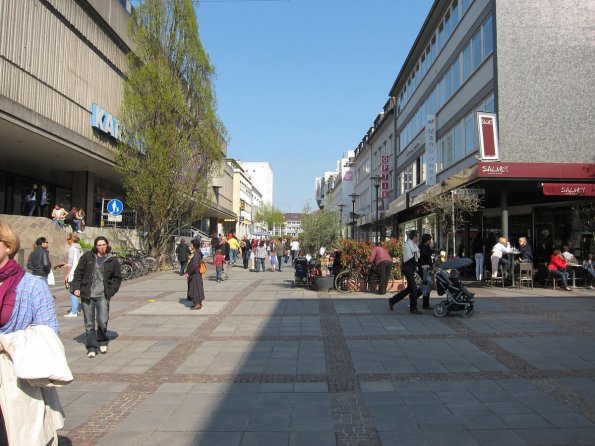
(341, 206)
(376, 181)
(353, 197)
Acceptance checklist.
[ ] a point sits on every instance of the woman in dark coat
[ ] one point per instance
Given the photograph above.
(196, 290)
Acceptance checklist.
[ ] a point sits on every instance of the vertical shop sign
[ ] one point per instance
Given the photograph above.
(430, 150)
(488, 136)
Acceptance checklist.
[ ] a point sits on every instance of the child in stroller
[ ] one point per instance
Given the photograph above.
(458, 297)
(300, 265)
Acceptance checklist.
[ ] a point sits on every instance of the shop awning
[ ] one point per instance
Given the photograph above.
(569, 189)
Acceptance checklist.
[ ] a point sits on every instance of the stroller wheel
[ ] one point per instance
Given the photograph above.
(468, 312)
(441, 309)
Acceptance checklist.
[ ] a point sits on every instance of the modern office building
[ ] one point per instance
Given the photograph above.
(293, 224)
(495, 96)
(62, 65)
(261, 175)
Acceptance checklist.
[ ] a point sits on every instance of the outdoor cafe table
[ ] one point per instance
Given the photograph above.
(574, 267)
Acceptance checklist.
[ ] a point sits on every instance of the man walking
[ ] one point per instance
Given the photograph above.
(409, 265)
(97, 279)
(183, 252)
(280, 251)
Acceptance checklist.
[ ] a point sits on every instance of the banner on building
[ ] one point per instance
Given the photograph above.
(569, 189)
(431, 159)
(488, 136)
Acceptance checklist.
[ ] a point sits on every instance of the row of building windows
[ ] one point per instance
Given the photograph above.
(462, 139)
(448, 24)
(474, 53)
(456, 144)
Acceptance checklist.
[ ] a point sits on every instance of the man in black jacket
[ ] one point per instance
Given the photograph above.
(97, 279)
(39, 260)
(183, 252)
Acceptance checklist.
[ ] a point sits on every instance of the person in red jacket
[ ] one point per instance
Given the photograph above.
(558, 266)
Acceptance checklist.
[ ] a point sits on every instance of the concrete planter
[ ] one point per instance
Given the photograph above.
(324, 283)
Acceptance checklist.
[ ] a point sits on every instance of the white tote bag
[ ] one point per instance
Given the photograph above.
(51, 278)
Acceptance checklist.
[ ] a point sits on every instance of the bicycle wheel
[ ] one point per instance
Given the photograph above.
(150, 263)
(126, 272)
(346, 281)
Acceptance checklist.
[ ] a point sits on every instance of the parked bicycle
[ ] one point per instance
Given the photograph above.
(350, 280)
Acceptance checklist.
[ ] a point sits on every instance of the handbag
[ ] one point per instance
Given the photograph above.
(51, 278)
(202, 268)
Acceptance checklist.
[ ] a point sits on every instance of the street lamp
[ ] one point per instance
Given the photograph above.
(376, 181)
(353, 197)
(341, 206)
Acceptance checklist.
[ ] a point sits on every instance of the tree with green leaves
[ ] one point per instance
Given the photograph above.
(270, 215)
(172, 143)
(321, 228)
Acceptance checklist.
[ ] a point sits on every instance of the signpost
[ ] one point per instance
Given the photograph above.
(114, 209)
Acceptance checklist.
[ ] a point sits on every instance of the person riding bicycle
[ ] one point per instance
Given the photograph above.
(383, 262)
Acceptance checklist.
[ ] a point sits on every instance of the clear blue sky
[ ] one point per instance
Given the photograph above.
(299, 82)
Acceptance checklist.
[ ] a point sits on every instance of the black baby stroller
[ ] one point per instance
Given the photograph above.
(457, 296)
(300, 266)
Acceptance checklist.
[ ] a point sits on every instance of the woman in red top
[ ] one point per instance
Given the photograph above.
(558, 266)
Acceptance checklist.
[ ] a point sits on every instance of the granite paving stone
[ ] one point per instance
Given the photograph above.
(266, 364)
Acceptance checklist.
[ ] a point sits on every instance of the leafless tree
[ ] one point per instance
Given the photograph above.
(452, 209)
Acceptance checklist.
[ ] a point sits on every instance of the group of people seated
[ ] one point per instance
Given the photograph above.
(75, 218)
(558, 264)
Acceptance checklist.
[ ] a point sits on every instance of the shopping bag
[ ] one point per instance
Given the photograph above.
(51, 278)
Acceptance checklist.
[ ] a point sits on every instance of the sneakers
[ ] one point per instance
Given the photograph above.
(568, 289)
(70, 315)
(91, 354)
(103, 349)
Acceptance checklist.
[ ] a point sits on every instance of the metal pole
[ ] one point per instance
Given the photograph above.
(353, 219)
(377, 236)
(454, 228)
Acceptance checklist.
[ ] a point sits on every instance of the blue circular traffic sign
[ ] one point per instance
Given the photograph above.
(115, 207)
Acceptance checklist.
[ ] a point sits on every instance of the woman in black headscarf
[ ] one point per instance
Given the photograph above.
(196, 290)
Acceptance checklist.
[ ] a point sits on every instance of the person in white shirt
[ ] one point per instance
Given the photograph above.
(409, 266)
(568, 256)
(498, 258)
(295, 249)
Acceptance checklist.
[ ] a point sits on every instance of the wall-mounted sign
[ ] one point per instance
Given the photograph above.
(569, 189)
(105, 122)
(488, 136)
(430, 134)
(536, 170)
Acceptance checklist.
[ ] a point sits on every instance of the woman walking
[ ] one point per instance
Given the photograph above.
(75, 252)
(25, 301)
(196, 290)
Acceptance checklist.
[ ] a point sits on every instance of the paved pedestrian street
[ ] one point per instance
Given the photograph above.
(265, 364)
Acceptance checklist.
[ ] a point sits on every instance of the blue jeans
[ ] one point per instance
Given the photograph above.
(218, 271)
(233, 255)
(281, 262)
(95, 308)
(183, 264)
(259, 263)
(562, 275)
(74, 303)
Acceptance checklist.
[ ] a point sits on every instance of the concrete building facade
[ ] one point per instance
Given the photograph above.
(63, 64)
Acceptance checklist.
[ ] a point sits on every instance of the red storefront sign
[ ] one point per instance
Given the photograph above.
(536, 170)
(488, 136)
(569, 189)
